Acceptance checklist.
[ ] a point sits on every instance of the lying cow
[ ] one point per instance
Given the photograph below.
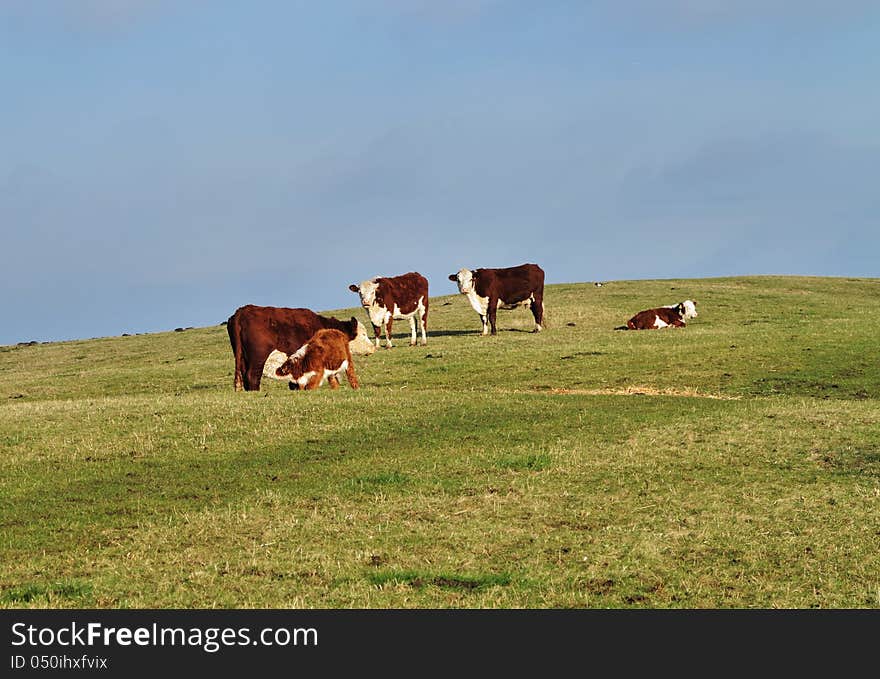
(263, 337)
(398, 297)
(489, 289)
(322, 359)
(661, 317)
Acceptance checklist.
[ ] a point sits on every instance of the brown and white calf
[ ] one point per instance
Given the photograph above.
(490, 289)
(322, 359)
(262, 338)
(661, 317)
(396, 297)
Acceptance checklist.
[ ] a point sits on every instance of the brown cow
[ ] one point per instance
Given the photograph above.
(263, 337)
(323, 358)
(661, 317)
(489, 289)
(397, 297)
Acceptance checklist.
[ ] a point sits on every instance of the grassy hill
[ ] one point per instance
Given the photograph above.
(732, 463)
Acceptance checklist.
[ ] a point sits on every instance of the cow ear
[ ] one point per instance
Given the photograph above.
(453, 277)
(353, 287)
(354, 322)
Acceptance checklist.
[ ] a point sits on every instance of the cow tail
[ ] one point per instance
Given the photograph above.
(621, 327)
(234, 330)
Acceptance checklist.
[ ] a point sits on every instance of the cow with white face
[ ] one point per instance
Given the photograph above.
(395, 298)
(689, 308)
(491, 289)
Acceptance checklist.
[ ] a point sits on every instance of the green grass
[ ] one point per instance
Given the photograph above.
(734, 463)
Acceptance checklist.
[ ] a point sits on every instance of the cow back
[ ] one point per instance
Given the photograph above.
(512, 284)
(284, 329)
(405, 291)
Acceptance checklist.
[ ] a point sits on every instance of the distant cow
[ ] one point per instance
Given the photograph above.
(322, 359)
(398, 297)
(661, 317)
(489, 289)
(262, 338)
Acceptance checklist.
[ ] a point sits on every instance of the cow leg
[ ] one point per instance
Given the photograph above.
(352, 377)
(423, 323)
(333, 381)
(388, 324)
(377, 330)
(412, 330)
(538, 312)
(492, 312)
(315, 380)
(484, 320)
(252, 378)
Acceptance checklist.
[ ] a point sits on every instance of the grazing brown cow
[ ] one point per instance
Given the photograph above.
(398, 297)
(661, 317)
(489, 289)
(323, 358)
(262, 338)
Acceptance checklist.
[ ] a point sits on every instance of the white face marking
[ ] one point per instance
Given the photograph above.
(690, 308)
(367, 292)
(465, 281)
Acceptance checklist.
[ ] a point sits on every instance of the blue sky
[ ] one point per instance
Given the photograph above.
(162, 163)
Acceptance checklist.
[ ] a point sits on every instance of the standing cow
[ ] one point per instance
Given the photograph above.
(322, 359)
(398, 297)
(262, 337)
(489, 289)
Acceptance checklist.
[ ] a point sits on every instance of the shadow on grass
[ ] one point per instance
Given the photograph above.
(419, 580)
(50, 592)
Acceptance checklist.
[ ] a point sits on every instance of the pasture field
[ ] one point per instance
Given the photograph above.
(734, 463)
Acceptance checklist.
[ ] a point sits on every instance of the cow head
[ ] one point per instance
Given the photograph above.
(292, 367)
(465, 280)
(367, 292)
(689, 308)
(361, 343)
(285, 368)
